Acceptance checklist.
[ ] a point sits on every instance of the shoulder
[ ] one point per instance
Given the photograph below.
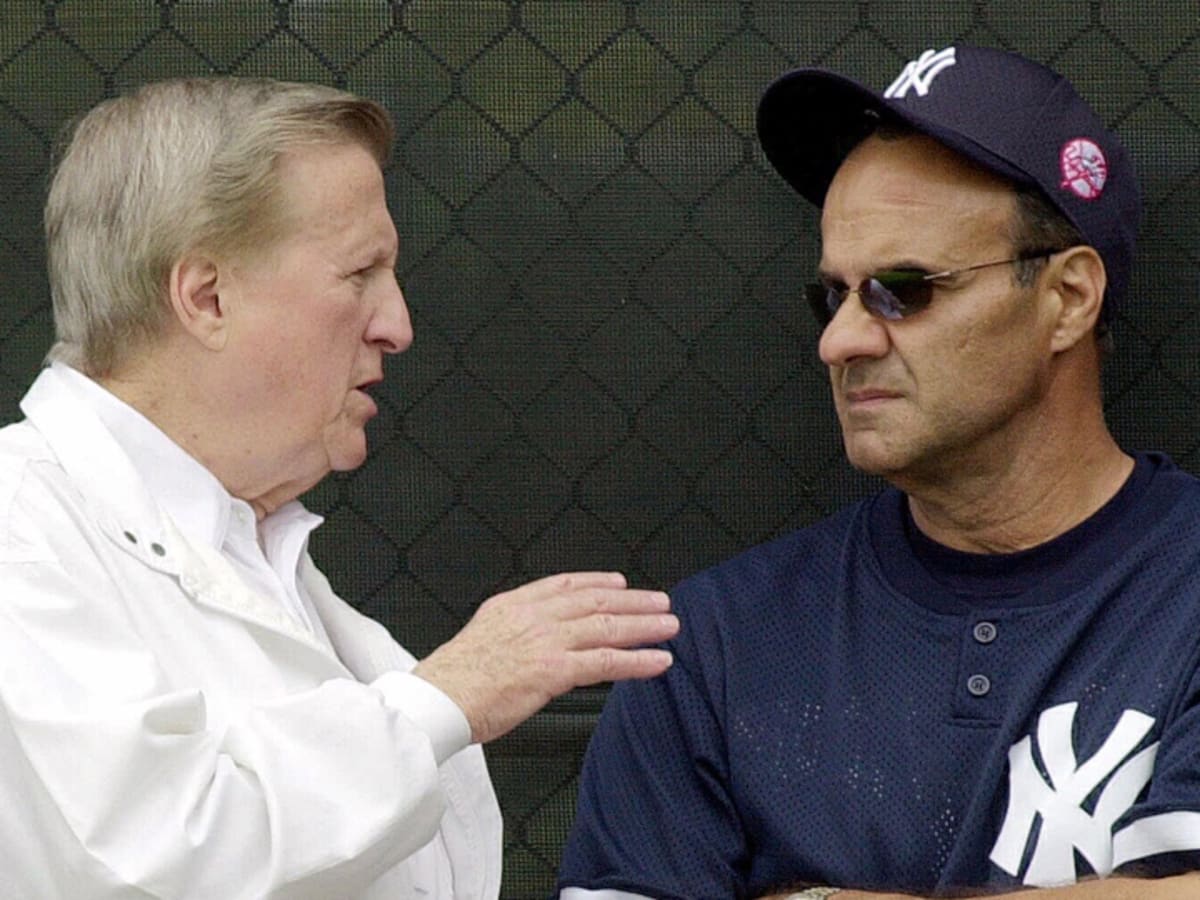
(1167, 482)
(767, 593)
(20, 446)
(36, 495)
(1162, 516)
(803, 556)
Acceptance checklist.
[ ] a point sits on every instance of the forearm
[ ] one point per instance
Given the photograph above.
(1181, 887)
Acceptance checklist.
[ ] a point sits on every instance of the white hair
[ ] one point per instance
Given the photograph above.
(177, 166)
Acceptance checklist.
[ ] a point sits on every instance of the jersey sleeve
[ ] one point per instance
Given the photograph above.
(655, 817)
(1160, 835)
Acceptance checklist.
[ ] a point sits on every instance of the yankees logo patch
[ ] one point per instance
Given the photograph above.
(1066, 809)
(1084, 168)
(918, 75)
(1057, 797)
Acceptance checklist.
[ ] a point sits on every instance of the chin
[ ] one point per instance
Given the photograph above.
(880, 461)
(348, 452)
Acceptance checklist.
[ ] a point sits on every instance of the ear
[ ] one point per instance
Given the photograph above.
(196, 301)
(1077, 276)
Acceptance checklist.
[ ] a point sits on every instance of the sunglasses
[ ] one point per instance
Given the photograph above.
(895, 293)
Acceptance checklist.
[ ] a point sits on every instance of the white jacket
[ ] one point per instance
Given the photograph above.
(166, 733)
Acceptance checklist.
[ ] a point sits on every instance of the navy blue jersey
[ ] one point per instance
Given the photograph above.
(857, 706)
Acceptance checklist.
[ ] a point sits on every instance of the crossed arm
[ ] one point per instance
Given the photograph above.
(1180, 887)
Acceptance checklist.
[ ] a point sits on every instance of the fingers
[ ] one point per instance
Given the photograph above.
(573, 594)
(618, 630)
(596, 601)
(530, 644)
(562, 584)
(592, 609)
(608, 664)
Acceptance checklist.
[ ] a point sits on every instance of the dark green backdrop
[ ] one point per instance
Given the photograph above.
(611, 368)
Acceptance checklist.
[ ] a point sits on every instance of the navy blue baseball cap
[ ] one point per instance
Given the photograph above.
(1006, 113)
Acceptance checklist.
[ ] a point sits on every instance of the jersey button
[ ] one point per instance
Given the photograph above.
(984, 632)
(979, 685)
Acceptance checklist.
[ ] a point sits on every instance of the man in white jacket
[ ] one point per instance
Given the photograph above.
(186, 708)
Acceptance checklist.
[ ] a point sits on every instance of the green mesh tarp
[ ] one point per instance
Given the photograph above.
(612, 366)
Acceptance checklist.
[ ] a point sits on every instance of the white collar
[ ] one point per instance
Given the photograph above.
(190, 495)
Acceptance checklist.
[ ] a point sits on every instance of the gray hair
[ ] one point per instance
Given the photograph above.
(177, 166)
(1038, 225)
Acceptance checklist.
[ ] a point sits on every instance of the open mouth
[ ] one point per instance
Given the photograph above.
(364, 390)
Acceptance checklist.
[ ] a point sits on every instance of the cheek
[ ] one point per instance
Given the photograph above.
(976, 349)
(276, 380)
(334, 350)
(983, 383)
(345, 334)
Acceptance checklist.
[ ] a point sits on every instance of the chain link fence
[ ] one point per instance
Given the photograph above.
(612, 367)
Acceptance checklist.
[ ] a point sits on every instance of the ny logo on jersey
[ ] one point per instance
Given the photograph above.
(1058, 797)
(918, 75)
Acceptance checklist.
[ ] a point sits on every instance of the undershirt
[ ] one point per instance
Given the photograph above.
(944, 578)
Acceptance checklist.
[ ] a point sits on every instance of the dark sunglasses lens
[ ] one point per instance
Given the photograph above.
(894, 295)
(823, 301)
(889, 295)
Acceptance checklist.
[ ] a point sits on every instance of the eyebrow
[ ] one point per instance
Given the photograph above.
(376, 253)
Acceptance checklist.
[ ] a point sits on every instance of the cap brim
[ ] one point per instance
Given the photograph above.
(810, 119)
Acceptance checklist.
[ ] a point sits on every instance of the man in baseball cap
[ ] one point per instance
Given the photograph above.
(983, 679)
(1008, 115)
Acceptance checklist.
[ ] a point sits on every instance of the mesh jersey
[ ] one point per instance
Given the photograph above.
(836, 714)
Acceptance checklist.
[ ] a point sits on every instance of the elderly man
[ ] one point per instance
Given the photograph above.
(984, 679)
(186, 708)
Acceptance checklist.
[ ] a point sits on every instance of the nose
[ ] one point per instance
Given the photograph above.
(391, 327)
(853, 333)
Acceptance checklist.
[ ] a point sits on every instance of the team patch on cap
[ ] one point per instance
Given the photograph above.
(1084, 168)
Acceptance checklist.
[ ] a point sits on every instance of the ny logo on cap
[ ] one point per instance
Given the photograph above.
(918, 75)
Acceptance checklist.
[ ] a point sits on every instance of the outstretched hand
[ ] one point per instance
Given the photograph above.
(524, 647)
